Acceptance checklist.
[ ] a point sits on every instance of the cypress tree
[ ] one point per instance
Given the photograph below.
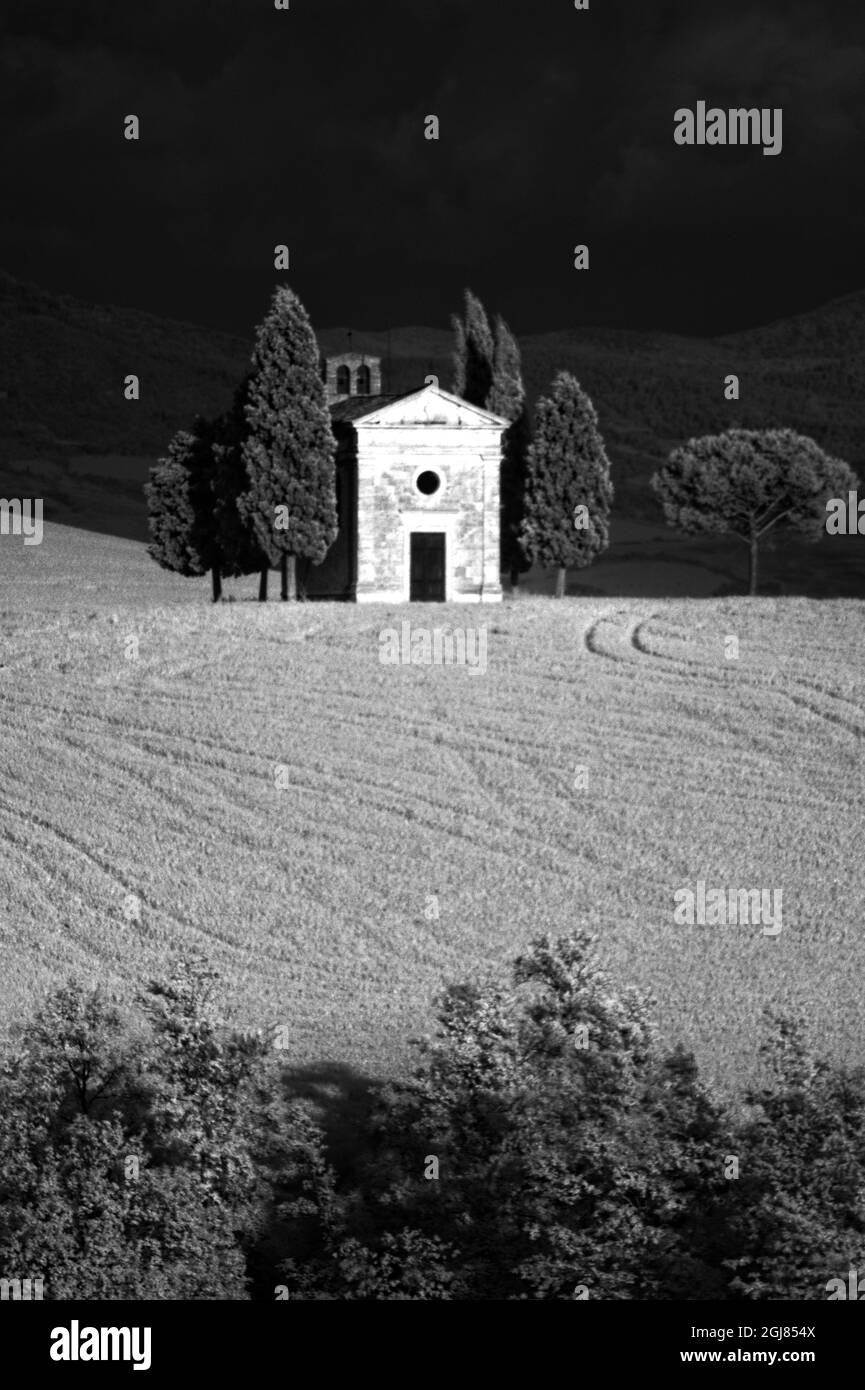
(507, 393)
(458, 385)
(568, 488)
(180, 507)
(238, 546)
(289, 449)
(473, 353)
(192, 497)
(488, 373)
(507, 398)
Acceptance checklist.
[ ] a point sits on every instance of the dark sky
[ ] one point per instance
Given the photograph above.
(306, 127)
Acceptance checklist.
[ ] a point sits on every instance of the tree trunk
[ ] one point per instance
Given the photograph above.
(216, 576)
(752, 567)
(303, 569)
(561, 576)
(288, 570)
(262, 584)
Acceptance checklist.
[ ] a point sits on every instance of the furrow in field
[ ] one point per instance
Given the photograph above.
(846, 714)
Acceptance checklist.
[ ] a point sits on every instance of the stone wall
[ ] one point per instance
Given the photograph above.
(466, 507)
(353, 361)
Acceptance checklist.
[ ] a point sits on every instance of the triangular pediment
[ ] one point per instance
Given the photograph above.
(430, 406)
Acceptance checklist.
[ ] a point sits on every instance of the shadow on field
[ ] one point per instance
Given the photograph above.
(103, 497)
(341, 1098)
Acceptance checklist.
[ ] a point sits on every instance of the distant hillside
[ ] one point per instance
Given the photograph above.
(62, 364)
(654, 390)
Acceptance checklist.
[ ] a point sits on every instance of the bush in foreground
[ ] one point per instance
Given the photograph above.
(544, 1147)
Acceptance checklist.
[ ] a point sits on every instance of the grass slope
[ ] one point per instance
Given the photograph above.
(155, 777)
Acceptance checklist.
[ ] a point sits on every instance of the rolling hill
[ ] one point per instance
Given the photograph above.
(154, 779)
(63, 361)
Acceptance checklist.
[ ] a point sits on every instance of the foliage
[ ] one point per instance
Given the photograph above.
(560, 1166)
(543, 1146)
(747, 482)
(556, 1165)
(235, 537)
(192, 497)
(140, 1163)
(289, 448)
(652, 390)
(799, 1219)
(567, 469)
(473, 353)
(487, 372)
(179, 504)
(507, 397)
(407, 1265)
(507, 394)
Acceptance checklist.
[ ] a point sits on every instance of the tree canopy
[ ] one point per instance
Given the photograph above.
(289, 448)
(569, 492)
(746, 483)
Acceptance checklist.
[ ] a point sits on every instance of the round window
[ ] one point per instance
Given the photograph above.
(428, 482)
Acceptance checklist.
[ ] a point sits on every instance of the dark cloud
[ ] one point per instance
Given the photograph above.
(556, 127)
(756, 60)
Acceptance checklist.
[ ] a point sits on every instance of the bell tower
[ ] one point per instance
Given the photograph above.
(351, 374)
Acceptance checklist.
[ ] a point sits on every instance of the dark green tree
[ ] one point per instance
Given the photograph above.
(746, 483)
(289, 448)
(147, 1156)
(473, 353)
(507, 397)
(543, 1143)
(794, 1223)
(488, 373)
(568, 1149)
(458, 357)
(507, 394)
(82, 1201)
(180, 507)
(569, 492)
(236, 539)
(192, 498)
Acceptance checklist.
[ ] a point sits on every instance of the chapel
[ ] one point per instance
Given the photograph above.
(418, 493)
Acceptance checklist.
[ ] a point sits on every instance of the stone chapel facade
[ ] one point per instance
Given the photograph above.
(417, 493)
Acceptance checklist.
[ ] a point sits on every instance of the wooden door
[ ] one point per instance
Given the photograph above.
(427, 575)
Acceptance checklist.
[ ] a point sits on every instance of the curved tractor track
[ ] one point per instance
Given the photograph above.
(625, 637)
